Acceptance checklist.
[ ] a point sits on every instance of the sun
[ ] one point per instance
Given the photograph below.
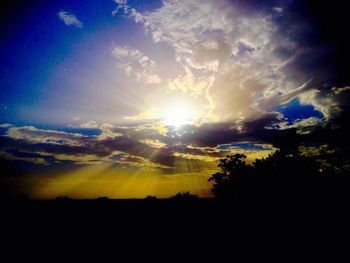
(174, 110)
(177, 117)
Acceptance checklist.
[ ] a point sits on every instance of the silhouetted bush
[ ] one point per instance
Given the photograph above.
(63, 198)
(102, 199)
(150, 197)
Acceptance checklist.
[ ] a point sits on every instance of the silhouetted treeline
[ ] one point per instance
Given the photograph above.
(184, 196)
(286, 175)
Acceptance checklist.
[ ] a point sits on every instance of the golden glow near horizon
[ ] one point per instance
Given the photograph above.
(98, 180)
(102, 180)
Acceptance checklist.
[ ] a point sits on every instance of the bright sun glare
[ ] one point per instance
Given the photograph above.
(178, 117)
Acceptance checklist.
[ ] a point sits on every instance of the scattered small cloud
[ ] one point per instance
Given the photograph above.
(69, 19)
(121, 5)
(278, 10)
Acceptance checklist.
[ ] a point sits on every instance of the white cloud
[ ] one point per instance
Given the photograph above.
(69, 19)
(5, 125)
(89, 125)
(121, 5)
(35, 135)
(228, 56)
(133, 62)
(121, 2)
(189, 83)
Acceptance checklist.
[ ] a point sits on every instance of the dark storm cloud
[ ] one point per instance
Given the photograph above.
(336, 131)
(321, 55)
(75, 147)
(318, 53)
(210, 134)
(60, 146)
(322, 50)
(30, 139)
(318, 28)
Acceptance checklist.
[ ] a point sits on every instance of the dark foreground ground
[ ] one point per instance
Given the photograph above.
(204, 227)
(161, 211)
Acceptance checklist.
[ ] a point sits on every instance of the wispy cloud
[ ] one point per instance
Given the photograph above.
(69, 19)
(134, 62)
(10, 156)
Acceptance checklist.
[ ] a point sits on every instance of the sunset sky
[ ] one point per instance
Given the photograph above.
(127, 99)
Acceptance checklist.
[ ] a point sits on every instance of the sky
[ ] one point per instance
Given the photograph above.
(127, 99)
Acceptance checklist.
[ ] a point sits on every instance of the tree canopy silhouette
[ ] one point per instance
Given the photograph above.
(283, 175)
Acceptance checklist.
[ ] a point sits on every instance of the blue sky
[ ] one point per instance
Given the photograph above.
(45, 60)
(294, 111)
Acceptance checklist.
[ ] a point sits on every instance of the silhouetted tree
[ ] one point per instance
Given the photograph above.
(233, 167)
(286, 174)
